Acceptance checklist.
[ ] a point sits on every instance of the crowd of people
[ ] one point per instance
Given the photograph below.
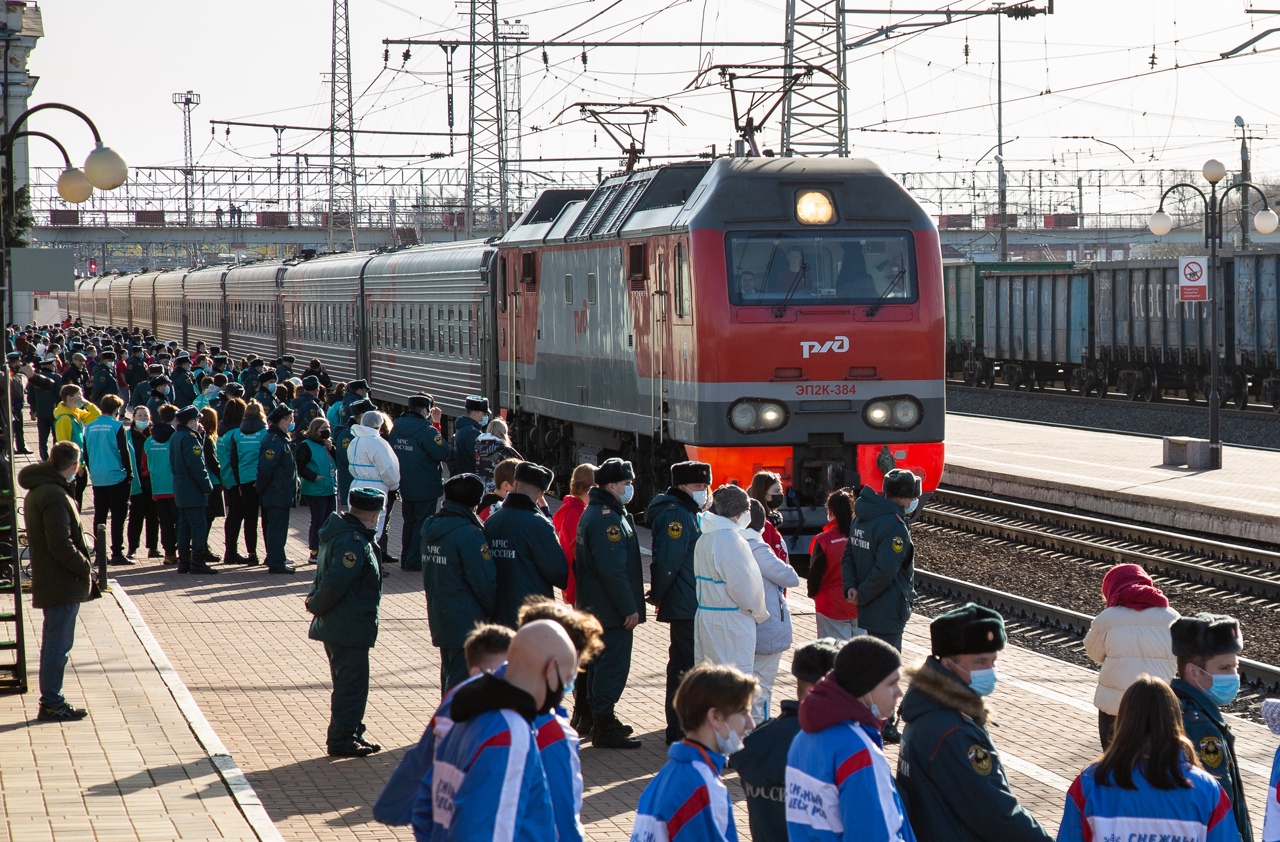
(173, 440)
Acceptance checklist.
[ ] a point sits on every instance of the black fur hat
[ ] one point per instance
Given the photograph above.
(467, 489)
(901, 483)
(359, 408)
(614, 470)
(476, 403)
(970, 629)
(1206, 635)
(690, 473)
(531, 473)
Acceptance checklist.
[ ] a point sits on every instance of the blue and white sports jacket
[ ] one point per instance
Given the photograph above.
(487, 778)
(1271, 824)
(687, 801)
(406, 799)
(1096, 813)
(840, 787)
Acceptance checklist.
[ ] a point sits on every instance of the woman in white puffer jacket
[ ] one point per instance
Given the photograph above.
(1130, 638)
(730, 589)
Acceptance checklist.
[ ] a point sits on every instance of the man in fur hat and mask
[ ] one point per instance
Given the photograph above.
(949, 772)
(1207, 648)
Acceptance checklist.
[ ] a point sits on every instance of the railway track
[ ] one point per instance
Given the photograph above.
(1239, 569)
(1170, 403)
(1264, 676)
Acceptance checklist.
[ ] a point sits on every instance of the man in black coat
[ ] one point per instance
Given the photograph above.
(524, 546)
(191, 489)
(61, 570)
(277, 487)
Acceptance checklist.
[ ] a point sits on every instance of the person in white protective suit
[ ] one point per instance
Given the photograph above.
(373, 464)
(730, 590)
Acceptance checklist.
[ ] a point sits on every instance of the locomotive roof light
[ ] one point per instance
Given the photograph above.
(814, 207)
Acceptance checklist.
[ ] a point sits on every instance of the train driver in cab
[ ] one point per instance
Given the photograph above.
(796, 273)
(748, 290)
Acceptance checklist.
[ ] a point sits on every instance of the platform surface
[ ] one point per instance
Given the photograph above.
(140, 768)
(1117, 475)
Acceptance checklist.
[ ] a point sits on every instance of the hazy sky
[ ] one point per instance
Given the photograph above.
(1084, 71)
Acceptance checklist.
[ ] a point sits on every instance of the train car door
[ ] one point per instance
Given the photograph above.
(486, 319)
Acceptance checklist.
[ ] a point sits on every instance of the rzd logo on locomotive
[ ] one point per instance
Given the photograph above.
(838, 345)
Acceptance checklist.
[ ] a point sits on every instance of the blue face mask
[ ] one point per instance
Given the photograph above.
(913, 505)
(983, 682)
(1224, 689)
(484, 422)
(291, 426)
(271, 387)
(627, 494)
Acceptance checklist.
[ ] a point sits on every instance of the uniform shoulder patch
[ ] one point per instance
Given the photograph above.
(196, 450)
(613, 533)
(675, 529)
(268, 454)
(1210, 751)
(898, 544)
(485, 553)
(439, 438)
(349, 560)
(979, 759)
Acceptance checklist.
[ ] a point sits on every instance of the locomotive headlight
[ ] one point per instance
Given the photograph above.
(743, 416)
(878, 414)
(757, 416)
(906, 414)
(814, 207)
(771, 416)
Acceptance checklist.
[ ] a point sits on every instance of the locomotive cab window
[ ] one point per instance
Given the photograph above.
(529, 268)
(836, 267)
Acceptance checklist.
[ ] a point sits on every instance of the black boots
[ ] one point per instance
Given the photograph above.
(609, 732)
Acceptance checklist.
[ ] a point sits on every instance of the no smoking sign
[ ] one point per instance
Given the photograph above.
(1193, 279)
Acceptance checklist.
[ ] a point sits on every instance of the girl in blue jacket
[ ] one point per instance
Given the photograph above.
(687, 800)
(1149, 783)
(839, 784)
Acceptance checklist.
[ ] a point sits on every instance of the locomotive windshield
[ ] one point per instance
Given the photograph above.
(821, 268)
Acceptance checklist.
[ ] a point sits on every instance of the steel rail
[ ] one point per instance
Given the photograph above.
(1024, 608)
(1199, 560)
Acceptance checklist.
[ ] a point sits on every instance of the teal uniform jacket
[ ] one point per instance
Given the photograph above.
(1208, 731)
(879, 560)
(949, 772)
(527, 556)
(347, 590)
(246, 443)
(191, 483)
(223, 449)
(157, 452)
(277, 482)
(465, 432)
(421, 450)
(108, 451)
(673, 522)
(607, 564)
(316, 469)
(458, 573)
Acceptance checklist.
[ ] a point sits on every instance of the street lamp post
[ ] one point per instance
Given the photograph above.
(1214, 209)
(104, 170)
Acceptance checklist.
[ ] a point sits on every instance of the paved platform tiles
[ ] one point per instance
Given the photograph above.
(238, 642)
(1116, 475)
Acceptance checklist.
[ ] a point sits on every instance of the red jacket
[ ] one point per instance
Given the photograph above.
(566, 523)
(830, 600)
(773, 538)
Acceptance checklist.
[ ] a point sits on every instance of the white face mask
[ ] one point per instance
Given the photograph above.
(700, 497)
(732, 744)
(744, 520)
